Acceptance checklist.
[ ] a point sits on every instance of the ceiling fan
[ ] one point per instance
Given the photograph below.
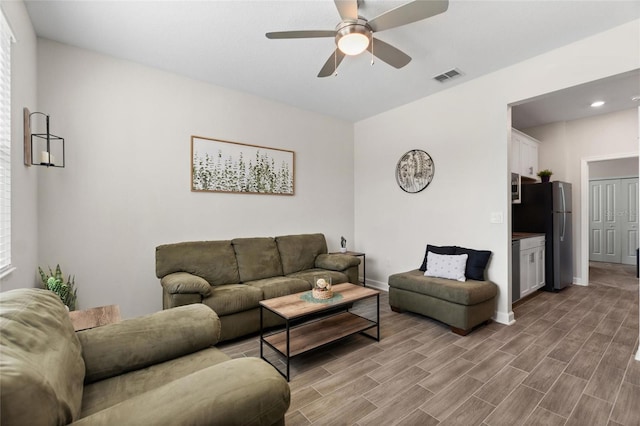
(354, 34)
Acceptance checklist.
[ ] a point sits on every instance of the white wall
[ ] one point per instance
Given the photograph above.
(613, 169)
(24, 202)
(126, 187)
(564, 144)
(466, 131)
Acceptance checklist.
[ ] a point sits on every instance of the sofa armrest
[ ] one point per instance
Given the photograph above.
(185, 283)
(244, 391)
(136, 343)
(336, 262)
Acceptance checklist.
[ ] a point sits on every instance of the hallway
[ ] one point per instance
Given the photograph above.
(613, 275)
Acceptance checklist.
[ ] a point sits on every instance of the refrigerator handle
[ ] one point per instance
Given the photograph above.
(564, 212)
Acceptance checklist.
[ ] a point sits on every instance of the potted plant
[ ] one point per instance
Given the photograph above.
(55, 283)
(343, 245)
(545, 175)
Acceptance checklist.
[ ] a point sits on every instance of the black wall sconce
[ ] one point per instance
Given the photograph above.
(42, 149)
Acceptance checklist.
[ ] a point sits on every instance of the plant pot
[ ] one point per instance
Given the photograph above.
(343, 249)
(545, 179)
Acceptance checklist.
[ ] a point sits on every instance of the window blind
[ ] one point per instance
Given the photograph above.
(6, 37)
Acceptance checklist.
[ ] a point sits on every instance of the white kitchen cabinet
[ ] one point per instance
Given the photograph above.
(531, 265)
(524, 154)
(515, 153)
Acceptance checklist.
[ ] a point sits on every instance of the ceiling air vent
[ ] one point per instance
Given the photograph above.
(446, 76)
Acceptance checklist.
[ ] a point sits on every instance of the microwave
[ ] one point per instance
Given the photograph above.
(515, 188)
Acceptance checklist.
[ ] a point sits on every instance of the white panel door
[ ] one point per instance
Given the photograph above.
(629, 220)
(604, 223)
(596, 222)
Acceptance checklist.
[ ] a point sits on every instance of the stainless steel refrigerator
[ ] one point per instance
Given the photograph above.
(546, 208)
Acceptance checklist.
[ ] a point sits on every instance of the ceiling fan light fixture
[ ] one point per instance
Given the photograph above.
(353, 44)
(353, 38)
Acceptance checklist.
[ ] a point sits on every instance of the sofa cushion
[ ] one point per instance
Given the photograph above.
(476, 263)
(129, 345)
(280, 286)
(103, 394)
(246, 391)
(299, 252)
(437, 250)
(310, 276)
(185, 283)
(257, 258)
(215, 261)
(336, 262)
(41, 368)
(463, 293)
(231, 298)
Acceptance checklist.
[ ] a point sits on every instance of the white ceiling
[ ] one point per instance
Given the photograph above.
(223, 42)
(575, 102)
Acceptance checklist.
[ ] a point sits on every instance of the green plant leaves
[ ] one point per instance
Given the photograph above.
(54, 282)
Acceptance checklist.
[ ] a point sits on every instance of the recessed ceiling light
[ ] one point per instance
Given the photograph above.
(635, 98)
(597, 104)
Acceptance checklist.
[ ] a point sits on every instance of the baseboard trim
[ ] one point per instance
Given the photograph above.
(505, 318)
(579, 281)
(378, 285)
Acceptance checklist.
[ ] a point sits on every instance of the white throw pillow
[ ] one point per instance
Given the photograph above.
(446, 266)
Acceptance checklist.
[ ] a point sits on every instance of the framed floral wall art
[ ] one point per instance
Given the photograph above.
(223, 166)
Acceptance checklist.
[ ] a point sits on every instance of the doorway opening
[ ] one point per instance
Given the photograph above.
(613, 211)
(587, 170)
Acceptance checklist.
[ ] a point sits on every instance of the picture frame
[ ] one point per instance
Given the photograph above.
(414, 171)
(223, 166)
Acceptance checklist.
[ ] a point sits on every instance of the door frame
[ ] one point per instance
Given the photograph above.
(584, 210)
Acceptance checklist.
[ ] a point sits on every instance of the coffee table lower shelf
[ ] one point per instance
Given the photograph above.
(319, 333)
(312, 335)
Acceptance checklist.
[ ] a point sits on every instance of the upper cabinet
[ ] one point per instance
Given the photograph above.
(515, 153)
(524, 155)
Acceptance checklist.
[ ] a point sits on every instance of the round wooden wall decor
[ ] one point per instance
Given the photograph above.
(414, 171)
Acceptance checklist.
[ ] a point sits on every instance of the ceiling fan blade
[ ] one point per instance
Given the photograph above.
(301, 34)
(348, 9)
(389, 54)
(407, 13)
(332, 64)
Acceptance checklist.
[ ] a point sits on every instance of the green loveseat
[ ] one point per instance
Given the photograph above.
(160, 369)
(233, 276)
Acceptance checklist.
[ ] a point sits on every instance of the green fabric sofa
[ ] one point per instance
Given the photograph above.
(462, 305)
(160, 369)
(233, 276)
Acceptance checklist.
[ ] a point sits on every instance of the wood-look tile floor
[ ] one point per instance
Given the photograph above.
(568, 360)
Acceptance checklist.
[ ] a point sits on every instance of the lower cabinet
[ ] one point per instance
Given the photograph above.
(531, 265)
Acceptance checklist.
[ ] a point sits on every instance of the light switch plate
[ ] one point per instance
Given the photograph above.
(496, 217)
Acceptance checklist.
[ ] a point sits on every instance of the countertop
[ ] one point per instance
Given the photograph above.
(516, 236)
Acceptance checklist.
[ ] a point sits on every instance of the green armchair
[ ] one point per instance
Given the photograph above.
(160, 369)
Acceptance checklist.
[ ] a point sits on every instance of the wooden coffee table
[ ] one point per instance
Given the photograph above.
(307, 327)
